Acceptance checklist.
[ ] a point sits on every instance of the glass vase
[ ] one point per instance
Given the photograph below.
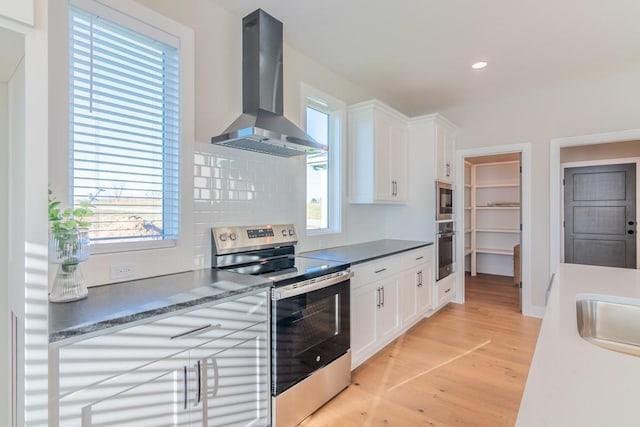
(68, 248)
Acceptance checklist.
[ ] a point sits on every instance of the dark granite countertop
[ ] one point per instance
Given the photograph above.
(122, 303)
(363, 252)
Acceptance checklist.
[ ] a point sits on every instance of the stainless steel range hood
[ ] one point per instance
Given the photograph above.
(261, 127)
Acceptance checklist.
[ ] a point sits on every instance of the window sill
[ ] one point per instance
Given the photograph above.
(110, 248)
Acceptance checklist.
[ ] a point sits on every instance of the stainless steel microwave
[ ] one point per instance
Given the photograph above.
(444, 200)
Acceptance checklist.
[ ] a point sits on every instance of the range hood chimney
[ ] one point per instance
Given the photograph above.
(261, 127)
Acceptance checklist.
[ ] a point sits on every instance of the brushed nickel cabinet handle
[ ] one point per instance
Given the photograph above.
(186, 386)
(197, 331)
(199, 379)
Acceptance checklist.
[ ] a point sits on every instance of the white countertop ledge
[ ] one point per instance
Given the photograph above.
(573, 382)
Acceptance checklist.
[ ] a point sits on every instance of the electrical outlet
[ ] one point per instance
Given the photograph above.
(122, 271)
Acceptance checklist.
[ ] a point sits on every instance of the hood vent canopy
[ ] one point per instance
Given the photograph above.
(262, 127)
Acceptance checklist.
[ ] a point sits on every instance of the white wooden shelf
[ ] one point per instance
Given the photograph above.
(494, 217)
(498, 208)
(505, 185)
(494, 251)
(497, 230)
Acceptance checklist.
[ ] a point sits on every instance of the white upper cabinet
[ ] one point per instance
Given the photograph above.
(18, 10)
(378, 154)
(445, 146)
(438, 136)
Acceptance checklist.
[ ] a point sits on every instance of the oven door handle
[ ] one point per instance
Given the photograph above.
(450, 234)
(309, 285)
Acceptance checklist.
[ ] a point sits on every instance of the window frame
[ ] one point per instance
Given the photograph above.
(159, 258)
(336, 109)
(126, 20)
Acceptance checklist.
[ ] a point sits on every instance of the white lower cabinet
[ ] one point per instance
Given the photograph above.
(445, 290)
(388, 296)
(210, 369)
(374, 318)
(416, 294)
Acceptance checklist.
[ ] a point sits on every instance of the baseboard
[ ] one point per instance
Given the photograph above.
(534, 311)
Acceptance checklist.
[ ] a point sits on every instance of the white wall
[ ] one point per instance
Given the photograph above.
(5, 364)
(614, 150)
(601, 103)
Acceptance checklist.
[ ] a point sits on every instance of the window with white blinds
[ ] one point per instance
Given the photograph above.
(124, 93)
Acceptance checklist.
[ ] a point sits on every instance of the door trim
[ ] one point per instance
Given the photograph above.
(555, 181)
(525, 205)
(603, 162)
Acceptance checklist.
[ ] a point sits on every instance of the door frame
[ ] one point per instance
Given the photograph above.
(603, 162)
(555, 181)
(525, 205)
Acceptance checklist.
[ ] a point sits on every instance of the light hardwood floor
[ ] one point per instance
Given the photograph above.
(464, 366)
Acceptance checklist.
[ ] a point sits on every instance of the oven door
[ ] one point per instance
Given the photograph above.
(308, 331)
(445, 254)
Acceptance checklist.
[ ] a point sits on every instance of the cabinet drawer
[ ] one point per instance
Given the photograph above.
(416, 257)
(446, 289)
(95, 359)
(372, 271)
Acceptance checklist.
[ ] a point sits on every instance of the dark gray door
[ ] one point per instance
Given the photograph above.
(600, 215)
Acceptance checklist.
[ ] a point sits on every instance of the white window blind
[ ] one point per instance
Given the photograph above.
(124, 93)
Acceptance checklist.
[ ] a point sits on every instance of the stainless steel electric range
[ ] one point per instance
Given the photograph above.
(310, 325)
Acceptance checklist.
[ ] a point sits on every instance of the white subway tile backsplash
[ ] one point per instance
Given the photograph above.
(238, 187)
(199, 182)
(198, 159)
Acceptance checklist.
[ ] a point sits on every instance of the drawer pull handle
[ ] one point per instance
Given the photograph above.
(186, 387)
(197, 331)
(199, 379)
(419, 258)
(380, 271)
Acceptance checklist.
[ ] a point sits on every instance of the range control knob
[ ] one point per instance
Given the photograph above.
(224, 237)
(284, 233)
(291, 232)
(233, 236)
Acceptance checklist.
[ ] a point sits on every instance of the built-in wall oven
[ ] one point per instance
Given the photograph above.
(310, 321)
(445, 253)
(444, 201)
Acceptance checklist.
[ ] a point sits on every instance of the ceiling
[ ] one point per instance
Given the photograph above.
(416, 55)
(12, 51)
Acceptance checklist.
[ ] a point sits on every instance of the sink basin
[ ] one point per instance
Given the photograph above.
(612, 325)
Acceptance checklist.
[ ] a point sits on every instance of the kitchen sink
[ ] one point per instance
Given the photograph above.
(610, 324)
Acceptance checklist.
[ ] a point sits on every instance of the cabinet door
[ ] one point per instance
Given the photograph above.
(387, 318)
(445, 152)
(408, 295)
(236, 382)
(424, 288)
(383, 134)
(450, 154)
(399, 163)
(156, 395)
(364, 305)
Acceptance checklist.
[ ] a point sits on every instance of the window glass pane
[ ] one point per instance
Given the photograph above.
(124, 130)
(317, 172)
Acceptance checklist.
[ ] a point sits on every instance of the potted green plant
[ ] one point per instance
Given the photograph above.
(68, 247)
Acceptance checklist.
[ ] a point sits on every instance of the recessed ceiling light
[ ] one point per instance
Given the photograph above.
(479, 65)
